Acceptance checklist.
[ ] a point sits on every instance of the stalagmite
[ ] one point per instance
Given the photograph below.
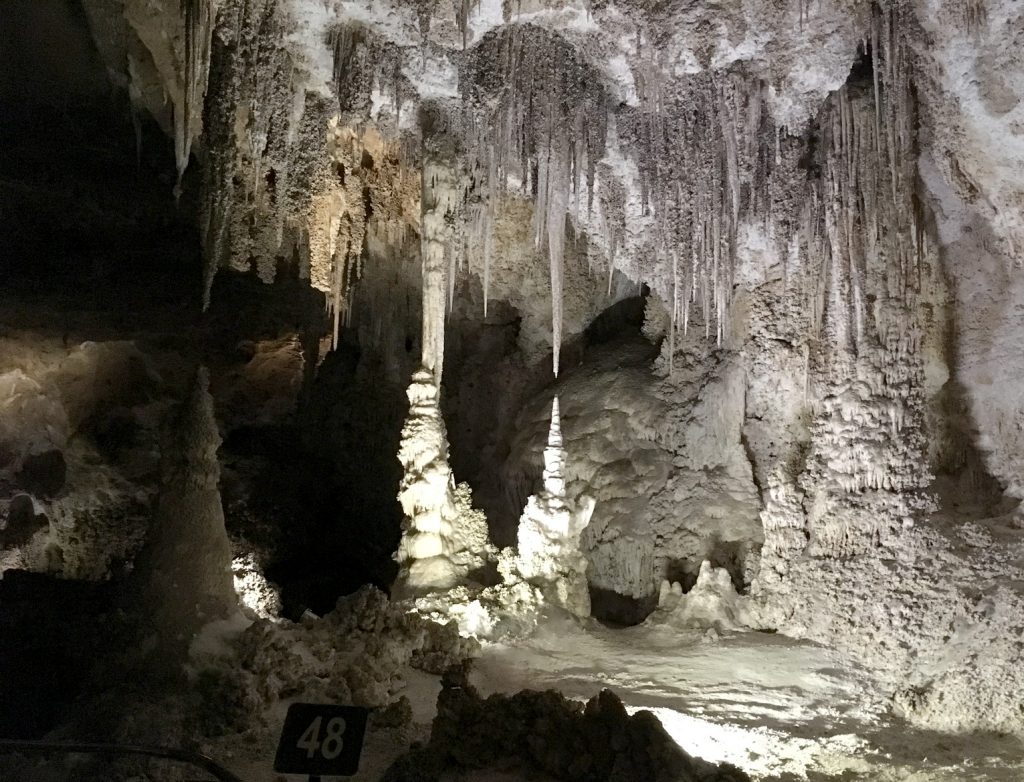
(444, 540)
(549, 555)
(183, 574)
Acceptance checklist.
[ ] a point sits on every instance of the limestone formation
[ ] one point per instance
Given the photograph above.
(765, 256)
(444, 540)
(549, 555)
(183, 575)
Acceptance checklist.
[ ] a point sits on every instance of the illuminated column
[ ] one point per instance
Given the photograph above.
(426, 493)
(443, 539)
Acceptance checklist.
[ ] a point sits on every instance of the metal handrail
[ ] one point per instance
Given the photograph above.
(167, 753)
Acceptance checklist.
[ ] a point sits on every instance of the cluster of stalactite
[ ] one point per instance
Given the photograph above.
(705, 150)
(532, 121)
(535, 120)
(287, 180)
(374, 161)
(265, 157)
(975, 16)
(837, 204)
(863, 215)
(872, 279)
(364, 61)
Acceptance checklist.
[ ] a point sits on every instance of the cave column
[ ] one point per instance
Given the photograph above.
(443, 540)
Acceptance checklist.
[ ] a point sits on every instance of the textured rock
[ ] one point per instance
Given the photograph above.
(381, 641)
(823, 199)
(544, 731)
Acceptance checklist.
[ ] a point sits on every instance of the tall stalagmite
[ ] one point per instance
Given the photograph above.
(444, 540)
(183, 573)
(549, 533)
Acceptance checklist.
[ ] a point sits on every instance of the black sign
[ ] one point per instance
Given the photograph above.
(321, 740)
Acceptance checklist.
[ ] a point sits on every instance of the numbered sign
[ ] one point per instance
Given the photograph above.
(321, 740)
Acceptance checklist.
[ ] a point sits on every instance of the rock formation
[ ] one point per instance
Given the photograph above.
(765, 255)
(549, 556)
(183, 575)
(444, 540)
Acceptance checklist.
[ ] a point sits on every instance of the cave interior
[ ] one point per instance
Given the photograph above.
(592, 390)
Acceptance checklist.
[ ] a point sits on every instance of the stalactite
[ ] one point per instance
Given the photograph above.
(351, 82)
(705, 164)
(481, 214)
(452, 255)
(863, 245)
(265, 146)
(363, 60)
(866, 209)
(463, 9)
(550, 116)
(555, 207)
(975, 16)
(198, 20)
(439, 203)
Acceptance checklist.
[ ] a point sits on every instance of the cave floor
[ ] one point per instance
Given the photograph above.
(778, 708)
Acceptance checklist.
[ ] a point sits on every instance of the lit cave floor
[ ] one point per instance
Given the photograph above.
(779, 709)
